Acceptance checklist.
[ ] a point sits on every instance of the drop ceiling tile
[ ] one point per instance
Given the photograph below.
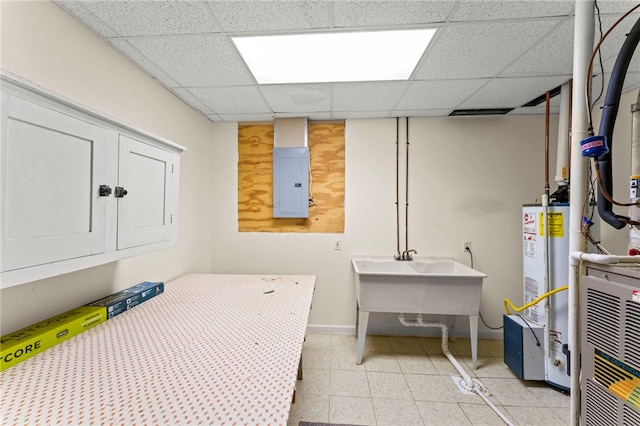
(444, 94)
(376, 13)
(139, 18)
(421, 113)
(298, 97)
(267, 15)
(196, 60)
(511, 92)
(192, 100)
(344, 115)
(373, 96)
(614, 41)
(536, 110)
(78, 10)
(143, 62)
(259, 118)
(473, 10)
(318, 116)
(477, 51)
(214, 117)
(618, 7)
(232, 100)
(321, 115)
(553, 55)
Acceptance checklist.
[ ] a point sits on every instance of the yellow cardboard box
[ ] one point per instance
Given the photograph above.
(29, 341)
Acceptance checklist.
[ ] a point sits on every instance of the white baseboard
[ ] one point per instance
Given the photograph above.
(331, 329)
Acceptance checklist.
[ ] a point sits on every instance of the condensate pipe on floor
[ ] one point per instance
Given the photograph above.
(418, 322)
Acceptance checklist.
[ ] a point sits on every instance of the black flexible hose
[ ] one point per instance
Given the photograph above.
(608, 121)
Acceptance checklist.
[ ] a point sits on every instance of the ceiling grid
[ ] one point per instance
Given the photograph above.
(489, 54)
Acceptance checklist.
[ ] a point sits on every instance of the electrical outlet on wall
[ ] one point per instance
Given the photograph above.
(466, 246)
(337, 245)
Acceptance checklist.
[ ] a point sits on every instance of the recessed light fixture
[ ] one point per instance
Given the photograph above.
(334, 57)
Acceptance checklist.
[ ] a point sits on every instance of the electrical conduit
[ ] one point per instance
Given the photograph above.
(473, 386)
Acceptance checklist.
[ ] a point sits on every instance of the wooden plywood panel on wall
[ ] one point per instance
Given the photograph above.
(255, 180)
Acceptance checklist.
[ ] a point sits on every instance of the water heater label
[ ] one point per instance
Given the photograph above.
(555, 224)
(529, 246)
(529, 223)
(633, 186)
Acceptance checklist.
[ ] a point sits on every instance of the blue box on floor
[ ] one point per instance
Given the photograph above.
(523, 347)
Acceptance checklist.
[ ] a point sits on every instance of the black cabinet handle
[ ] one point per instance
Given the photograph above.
(104, 190)
(120, 192)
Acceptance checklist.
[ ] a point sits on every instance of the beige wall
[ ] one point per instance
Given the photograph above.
(42, 43)
(468, 180)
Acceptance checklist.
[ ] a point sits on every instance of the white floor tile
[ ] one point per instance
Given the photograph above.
(534, 416)
(349, 383)
(442, 413)
(388, 385)
(381, 361)
(345, 360)
(416, 364)
(400, 412)
(351, 410)
(408, 381)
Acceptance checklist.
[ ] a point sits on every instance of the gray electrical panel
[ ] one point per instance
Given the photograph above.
(291, 182)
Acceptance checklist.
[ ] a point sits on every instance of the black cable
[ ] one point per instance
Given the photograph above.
(468, 250)
(534, 334)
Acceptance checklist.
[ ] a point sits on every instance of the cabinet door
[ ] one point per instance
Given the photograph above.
(148, 175)
(52, 165)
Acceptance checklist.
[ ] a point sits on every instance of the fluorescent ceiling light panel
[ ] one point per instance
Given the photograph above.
(333, 57)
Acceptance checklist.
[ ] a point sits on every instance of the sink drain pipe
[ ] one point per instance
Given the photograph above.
(473, 386)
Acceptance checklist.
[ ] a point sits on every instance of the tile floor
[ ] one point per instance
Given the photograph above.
(407, 381)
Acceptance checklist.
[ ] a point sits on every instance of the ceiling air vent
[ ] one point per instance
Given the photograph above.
(480, 111)
(540, 99)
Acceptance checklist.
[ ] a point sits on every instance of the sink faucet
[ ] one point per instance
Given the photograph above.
(406, 255)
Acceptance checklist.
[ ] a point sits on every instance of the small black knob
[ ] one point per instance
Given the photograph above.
(104, 190)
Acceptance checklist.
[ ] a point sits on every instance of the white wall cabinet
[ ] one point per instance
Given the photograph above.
(78, 189)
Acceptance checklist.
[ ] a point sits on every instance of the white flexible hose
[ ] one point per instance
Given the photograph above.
(473, 386)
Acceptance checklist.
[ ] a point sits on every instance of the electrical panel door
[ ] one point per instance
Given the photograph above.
(291, 182)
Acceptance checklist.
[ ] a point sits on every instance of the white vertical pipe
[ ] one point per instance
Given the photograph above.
(582, 48)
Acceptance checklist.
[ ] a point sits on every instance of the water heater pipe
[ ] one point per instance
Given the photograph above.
(582, 47)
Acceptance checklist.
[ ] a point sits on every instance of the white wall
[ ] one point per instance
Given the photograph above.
(468, 180)
(42, 43)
